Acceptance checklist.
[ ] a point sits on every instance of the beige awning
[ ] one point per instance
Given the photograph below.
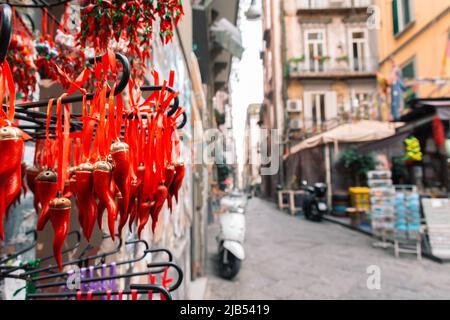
(361, 131)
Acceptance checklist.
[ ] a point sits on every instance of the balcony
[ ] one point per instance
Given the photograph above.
(333, 68)
(300, 129)
(331, 6)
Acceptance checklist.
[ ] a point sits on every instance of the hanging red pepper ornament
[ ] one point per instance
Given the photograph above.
(11, 146)
(60, 206)
(59, 209)
(120, 153)
(46, 188)
(11, 152)
(102, 188)
(30, 176)
(87, 206)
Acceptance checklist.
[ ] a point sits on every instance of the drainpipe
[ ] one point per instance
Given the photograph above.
(283, 92)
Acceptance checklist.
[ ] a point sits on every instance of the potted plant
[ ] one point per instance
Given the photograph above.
(356, 164)
(343, 58)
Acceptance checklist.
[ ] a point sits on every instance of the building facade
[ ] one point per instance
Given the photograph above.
(330, 66)
(252, 146)
(320, 63)
(414, 37)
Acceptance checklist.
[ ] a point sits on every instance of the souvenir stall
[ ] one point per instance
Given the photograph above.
(92, 199)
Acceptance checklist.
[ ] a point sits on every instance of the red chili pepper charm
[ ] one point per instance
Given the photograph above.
(102, 188)
(160, 196)
(145, 210)
(11, 152)
(31, 174)
(122, 177)
(12, 190)
(87, 206)
(46, 189)
(136, 188)
(169, 178)
(59, 209)
(178, 180)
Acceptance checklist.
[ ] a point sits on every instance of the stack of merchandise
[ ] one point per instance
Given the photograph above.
(382, 197)
(407, 213)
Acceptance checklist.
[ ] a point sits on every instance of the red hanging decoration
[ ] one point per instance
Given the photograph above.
(438, 132)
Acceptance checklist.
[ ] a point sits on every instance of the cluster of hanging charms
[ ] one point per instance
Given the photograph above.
(125, 162)
(128, 27)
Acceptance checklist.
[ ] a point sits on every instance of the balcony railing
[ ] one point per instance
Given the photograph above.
(309, 129)
(329, 4)
(333, 67)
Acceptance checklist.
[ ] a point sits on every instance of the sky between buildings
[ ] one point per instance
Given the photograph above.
(247, 77)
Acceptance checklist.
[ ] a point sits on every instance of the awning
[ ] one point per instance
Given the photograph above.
(228, 36)
(362, 131)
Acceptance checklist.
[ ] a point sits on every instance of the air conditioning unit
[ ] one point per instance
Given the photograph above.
(294, 106)
(295, 124)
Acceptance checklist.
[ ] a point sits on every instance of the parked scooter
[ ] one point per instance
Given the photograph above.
(315, 203)
(230, 241)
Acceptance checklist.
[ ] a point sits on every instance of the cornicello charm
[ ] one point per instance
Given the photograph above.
(102, 187)
(46, 189)
(59, 209)
(30, 177)
(122, 178)
(84, 192)
(11, 152)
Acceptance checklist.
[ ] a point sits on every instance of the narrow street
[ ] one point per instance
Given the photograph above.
(290, 258)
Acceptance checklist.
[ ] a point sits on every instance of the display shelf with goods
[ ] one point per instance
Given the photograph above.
(382, 210)
(407, 230)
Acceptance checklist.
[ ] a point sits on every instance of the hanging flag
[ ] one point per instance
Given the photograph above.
(438, 132)
(397, 89)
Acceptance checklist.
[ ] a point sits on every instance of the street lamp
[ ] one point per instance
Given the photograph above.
(254, 12)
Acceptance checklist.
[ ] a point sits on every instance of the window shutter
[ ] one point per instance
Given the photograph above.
(395, 17)
(406, 6)
(307, 112)
(331, 106)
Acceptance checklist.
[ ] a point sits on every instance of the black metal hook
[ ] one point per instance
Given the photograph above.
(6, 30)
(77, 261)
(149, 287)
(137, 288)
(62, 274)
(169, 264)
(183, 123)
(176, 102)
(26, 266)
(120, 276)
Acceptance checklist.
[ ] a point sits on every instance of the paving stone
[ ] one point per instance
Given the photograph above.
(291, 258)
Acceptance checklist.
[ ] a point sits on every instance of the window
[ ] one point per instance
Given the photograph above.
(360, 105)
(315, 50)
(320, 109)
(409, 70)
(402, 15)
(358, 50)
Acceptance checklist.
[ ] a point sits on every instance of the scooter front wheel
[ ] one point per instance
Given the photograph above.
(229, 265)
